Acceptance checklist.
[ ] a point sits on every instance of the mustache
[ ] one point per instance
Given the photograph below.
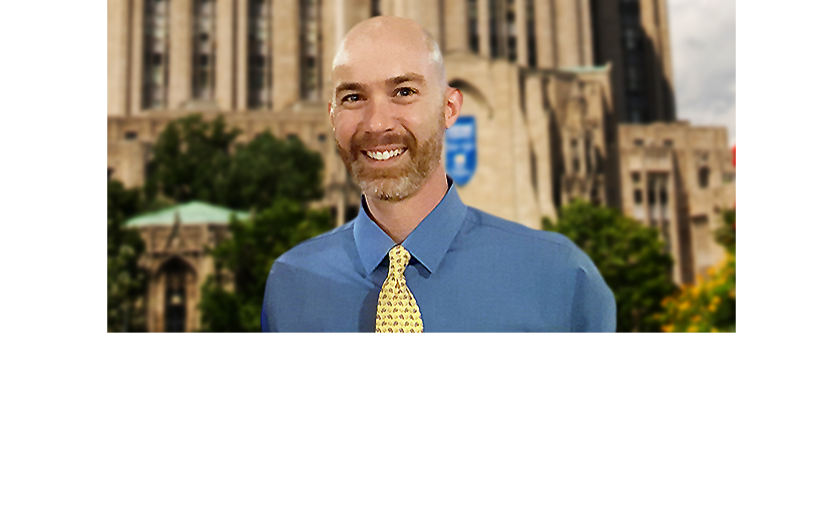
(366, 141)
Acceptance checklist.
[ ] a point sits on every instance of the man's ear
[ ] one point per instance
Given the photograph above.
(330, 110)
(454, 99)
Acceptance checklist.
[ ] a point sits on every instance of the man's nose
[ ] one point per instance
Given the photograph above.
(379, 116)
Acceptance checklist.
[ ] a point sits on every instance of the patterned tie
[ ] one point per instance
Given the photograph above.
(397, 311)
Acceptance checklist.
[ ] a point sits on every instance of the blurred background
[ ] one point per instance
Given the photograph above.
(221, 155)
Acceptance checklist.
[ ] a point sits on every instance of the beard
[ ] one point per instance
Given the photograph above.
(394, 183)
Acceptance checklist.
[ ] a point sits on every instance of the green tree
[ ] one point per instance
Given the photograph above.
(198, 160)
(725, 235)
(268, 168)
(630, 256)
(126, 280)
(275, 179)
(248, 255)
(191, 161)
(708, 305)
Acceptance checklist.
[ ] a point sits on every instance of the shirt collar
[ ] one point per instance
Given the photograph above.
(429, 241)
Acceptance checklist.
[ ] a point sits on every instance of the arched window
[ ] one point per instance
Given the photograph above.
(176, 277)
(703, 177)
(155, 52)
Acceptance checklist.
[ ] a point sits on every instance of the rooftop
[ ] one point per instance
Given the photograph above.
(189, 213)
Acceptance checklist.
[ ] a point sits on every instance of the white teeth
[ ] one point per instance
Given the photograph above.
(381, 156)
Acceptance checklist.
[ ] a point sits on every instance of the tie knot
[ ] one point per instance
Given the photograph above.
(399, 258)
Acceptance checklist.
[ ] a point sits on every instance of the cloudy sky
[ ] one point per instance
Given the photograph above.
(703, 43)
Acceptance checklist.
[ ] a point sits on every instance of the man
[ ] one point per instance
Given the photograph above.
(416, 259)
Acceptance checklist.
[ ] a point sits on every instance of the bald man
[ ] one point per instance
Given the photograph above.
(416, 259)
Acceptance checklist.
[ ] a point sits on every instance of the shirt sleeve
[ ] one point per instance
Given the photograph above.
(594, 303)
(263, 319)
(266, 322)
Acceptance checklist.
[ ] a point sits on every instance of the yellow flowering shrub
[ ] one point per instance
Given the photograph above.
(707, 306)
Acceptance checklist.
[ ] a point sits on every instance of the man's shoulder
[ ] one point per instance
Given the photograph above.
(319, 248)
(512, 233)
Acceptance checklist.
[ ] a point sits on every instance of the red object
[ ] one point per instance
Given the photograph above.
(733, 155)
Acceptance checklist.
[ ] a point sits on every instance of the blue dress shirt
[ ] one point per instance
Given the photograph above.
(469, 272)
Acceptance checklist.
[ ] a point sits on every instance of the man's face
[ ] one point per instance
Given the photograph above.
(388, 116)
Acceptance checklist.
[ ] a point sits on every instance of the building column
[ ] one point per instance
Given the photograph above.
(241, 53)
(225, 45)
(544, 27)
(455, 26)
(180, 53)
(568, 44)
(118, 58)
(587, 55)
(285, 52)
(483, 28)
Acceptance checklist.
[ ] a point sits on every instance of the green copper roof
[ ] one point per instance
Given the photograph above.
(582, 70)
(189, 213)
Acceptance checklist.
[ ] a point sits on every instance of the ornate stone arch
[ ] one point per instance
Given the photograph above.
(175, 287)
(468, 89)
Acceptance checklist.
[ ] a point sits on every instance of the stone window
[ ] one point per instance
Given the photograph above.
(130, 136)
(703, 177)
(502, 29)
(310, 49)
(637, 196)
(636, 177)
(204, 44)
(510, 29)
(375, 9)
(155, 53)
(657, 207)
(472, 24)
(634, 61)
(530, 27)
(668, 142)
(110, 173)
(259, 53)
(495, 48)
(639, 142)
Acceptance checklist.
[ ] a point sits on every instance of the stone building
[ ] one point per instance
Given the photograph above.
(176, 259)
(571, 99)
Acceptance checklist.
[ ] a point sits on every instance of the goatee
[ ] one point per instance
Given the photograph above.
(394, 183)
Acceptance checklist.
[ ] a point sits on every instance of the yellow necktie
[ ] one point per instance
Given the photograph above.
(397, 311)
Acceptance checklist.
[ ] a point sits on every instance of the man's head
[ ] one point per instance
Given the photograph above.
(391, 105)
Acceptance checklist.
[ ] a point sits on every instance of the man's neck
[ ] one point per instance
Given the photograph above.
(398, 219)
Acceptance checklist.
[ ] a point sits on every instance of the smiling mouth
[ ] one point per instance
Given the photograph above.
(384, 155)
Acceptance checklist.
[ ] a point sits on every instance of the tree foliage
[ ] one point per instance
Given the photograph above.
(198, 160)
(191, 161)
(709, 304)
(126, 280)
(630, 256)
(248, 256)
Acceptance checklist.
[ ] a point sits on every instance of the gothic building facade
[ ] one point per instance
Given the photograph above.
(571, 99)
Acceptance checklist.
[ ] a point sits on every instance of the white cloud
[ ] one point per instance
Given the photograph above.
(703, 54)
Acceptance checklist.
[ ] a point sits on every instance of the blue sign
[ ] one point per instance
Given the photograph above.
(461, 150)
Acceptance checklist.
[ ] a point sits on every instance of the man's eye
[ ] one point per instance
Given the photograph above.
(406, 91)
(350, 98)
